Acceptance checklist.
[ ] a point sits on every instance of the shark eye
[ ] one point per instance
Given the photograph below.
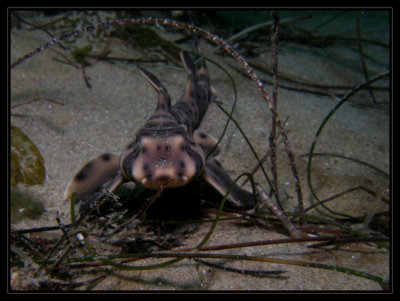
(144, 150)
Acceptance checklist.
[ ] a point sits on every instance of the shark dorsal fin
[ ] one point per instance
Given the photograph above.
(164, 100)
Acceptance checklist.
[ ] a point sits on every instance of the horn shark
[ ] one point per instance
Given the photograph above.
(168, 151)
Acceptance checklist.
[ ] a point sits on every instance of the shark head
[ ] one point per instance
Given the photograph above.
(164, 153)
(163, 157)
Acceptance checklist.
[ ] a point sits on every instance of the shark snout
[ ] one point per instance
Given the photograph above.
(167, 177)
(164, 161)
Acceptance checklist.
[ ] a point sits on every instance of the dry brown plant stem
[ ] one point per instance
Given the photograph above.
(272, 137)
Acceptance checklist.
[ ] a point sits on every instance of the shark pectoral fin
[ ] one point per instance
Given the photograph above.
(101, 172)
(218, 178)
(207, 143)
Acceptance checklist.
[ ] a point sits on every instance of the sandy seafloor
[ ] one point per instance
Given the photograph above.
(105, 118)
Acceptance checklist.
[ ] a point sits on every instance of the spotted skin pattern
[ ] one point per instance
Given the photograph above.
(167, 151)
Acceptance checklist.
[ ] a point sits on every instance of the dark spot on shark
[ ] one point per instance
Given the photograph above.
(106, 157)
(82, 175)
